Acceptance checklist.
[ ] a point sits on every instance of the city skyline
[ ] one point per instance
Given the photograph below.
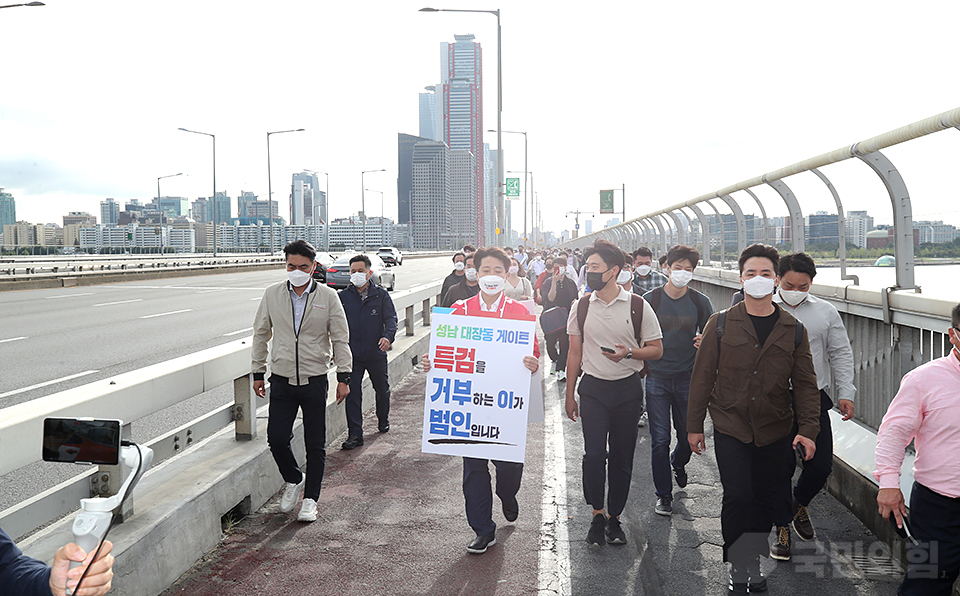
(665, 112)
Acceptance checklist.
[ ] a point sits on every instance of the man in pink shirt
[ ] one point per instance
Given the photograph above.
(926, 410)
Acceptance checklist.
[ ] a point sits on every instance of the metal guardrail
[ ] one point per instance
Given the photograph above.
(133, 395)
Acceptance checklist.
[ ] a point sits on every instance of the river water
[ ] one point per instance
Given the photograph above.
(935, 281)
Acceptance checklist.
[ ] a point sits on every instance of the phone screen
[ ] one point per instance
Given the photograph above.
(78, 440)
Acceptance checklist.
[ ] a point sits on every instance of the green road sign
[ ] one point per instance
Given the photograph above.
(513, 187)
(606, 201)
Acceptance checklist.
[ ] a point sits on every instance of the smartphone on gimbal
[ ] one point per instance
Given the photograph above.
(81, 440)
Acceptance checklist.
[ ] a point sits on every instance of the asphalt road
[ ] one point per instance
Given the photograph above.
(55, 339)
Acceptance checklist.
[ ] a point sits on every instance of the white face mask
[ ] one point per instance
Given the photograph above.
(514, 270)
(471, 274)
(681, 278)
(643, 270)
(298, 278)
(793, 297)
(758, 287)
(358, 279)
(458, 266)
(623, 277)
(491, 285)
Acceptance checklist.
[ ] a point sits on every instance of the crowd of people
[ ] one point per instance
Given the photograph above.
(627, 337)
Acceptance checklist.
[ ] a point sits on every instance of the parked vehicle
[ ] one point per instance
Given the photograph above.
(390, 255)
(324, 260)
(338, 274)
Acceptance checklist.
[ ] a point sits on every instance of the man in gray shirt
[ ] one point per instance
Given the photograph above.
(833, 361)
(683, 313)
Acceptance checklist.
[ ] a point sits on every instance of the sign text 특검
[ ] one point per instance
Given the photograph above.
(477, 396)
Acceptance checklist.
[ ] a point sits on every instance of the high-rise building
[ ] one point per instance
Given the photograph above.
(221, 208)
(8, 209)
(462, 104)
(304, 194)
(431, 119)
(405, 145)
(822, 228)
(430, 202)
(463, 198)
(244, 201)
(109, 212)
(856, 226)
(79, 217)
(935, 232)
(134, 205)
(588, 227)
(172, 206)
(202, 210)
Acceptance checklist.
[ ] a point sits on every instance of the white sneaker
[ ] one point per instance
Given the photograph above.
(643, 420)
(308, 511)
(291, 494)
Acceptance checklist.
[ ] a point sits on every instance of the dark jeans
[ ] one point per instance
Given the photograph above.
(381, 385)
(749, 475)
(560, 357)
(935, 564)
(664, 395)
(477, 495)
(285, 401)
(609, 411)
(815, 472)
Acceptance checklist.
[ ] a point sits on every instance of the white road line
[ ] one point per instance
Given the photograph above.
(70, 295)
(38, 385)
(554, 575)
(163, 314)
(213, 290)
(257, 298)
(238, 332)
(3, 341)
(120, 302)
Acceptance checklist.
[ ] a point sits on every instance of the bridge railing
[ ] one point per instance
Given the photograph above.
(136, 394)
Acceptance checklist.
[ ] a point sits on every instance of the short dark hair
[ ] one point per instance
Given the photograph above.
(955, 316)
(799, 262)
(681, 252)
(469, 248)
(302, 248)
(643, 251)
(491, 252)
(558, 261)
(760, 250)
(563, 254)
(662, 260)
(458, 254)
(361, 259)
(607, 251)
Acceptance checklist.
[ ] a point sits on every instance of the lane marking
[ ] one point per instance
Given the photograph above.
(211, 288)
(120, 302)
(257, 298)
(3, 341)
(53, 382)
(163, 314)
(554, 575)
(238, 332)
(69, 295)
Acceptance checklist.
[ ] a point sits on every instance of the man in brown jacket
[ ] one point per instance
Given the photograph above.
(744, 374)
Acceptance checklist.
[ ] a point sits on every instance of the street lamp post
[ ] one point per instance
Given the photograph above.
(363, 203)
(270, 182)
(500, 182)
(26, 4)
(214, 197)
(526, 172)
(159, 178)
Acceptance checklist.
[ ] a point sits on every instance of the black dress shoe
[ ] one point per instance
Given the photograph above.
(511, 509)
(480, 544)
(383, 427)
(352, 443)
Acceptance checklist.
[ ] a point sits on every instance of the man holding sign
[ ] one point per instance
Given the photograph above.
(479, 439)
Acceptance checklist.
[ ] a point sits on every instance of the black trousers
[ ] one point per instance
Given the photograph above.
(815, 472)
(477, 495)
(377, 369)
(750, 476)
(559, 356)
(285, 401)
(935, 564)
(609, 412)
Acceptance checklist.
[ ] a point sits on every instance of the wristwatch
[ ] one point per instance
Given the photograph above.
(629, 354)
(343, 378)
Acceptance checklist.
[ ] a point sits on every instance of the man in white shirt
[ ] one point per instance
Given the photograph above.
(833, 360)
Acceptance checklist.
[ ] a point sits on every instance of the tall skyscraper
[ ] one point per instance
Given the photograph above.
(463, 198)
(8, 209)
(244, 203)
(202, 210)
(430, 203)
(304, 193)
(405, 145)
(431, 119)
(109, 212)
(462, 104)
(857, 224)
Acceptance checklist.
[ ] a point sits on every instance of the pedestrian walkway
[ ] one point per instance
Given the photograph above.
(392, 522)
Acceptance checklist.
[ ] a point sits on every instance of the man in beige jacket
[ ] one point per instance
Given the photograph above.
(305, 320)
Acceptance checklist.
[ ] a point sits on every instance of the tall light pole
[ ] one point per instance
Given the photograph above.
(526, 171)
(363, 203)
(214, 197)
(159, 178)
(26, 4)
(500, 182)
(270, 182)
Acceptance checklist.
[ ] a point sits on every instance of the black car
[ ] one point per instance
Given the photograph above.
(324, 260)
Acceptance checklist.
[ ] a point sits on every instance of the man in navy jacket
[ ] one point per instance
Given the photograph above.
(373, 327)
(21, 575)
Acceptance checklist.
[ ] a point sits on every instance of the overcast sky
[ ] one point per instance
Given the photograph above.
(672, 99)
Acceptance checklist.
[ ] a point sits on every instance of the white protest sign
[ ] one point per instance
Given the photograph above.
(477, 396)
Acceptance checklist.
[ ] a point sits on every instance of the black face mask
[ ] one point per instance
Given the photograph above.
(595, 280)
